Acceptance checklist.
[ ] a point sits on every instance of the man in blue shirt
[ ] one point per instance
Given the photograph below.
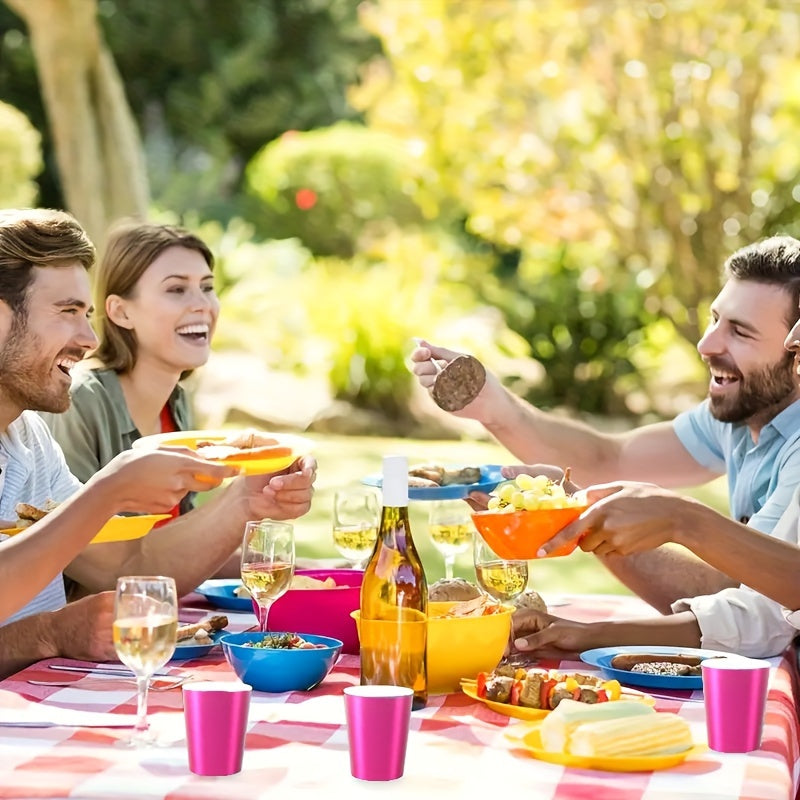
(747, 428)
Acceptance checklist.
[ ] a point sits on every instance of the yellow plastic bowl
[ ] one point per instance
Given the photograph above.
(461, 647)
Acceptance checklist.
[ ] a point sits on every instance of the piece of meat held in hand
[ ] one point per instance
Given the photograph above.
(216, 623)
(459, 383)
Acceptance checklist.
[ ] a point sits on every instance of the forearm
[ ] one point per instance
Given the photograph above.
(188, 549)
(25, 641)
(674, 630)
(534, 436)
(33, 558)
(768, 565)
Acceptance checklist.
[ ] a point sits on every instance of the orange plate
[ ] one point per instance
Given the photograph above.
(531, 742)
(248, 465)
(520, 534)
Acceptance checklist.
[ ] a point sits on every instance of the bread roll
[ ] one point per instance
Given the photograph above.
(532, 600)
(452, 589)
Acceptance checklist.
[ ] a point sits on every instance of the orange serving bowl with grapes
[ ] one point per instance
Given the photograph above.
(520, 534)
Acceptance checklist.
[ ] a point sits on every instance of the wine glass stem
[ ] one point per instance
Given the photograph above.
(142, 684)
(263, 624)
(449, 562)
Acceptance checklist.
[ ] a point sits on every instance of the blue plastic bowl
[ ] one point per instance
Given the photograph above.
(271, 670)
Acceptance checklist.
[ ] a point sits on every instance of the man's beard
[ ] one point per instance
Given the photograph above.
(760, 395)
(24, 381)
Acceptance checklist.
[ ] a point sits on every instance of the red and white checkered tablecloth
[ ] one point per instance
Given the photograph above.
(296, 743)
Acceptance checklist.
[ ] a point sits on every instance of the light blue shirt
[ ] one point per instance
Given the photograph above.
(35, 472)
(762, 477)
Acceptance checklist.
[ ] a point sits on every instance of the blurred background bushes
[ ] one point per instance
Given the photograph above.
(553, 186)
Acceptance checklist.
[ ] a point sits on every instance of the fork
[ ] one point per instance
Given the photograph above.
(157, 685)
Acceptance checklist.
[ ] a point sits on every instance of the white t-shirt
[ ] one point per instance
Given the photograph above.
(34, 473)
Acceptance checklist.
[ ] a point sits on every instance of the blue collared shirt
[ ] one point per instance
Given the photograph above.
(762, 476)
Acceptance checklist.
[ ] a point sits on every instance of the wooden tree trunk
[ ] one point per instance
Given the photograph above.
(97, 145)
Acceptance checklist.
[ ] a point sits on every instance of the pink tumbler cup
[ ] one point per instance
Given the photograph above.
(377, 730)
(735, 694)
(216, 723)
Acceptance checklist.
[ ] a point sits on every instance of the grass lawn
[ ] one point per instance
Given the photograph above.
(344, 460)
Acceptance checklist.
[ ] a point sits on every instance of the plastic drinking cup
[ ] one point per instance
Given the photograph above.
(216, 723)
(377, 730)
(735, 693)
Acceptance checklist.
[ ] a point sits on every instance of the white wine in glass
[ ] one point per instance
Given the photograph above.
(267, 563)
(503, 580)
(145, 627)
(355, 524)
(451, 529)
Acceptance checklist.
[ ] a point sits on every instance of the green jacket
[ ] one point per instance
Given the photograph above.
(98, 426)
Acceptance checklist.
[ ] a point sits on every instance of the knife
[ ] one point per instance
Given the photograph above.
(102, 670)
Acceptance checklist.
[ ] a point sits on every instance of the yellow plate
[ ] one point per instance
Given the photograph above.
(531, 742)
(117, 529)
(249, 466)
(507, 710)
(468, 686)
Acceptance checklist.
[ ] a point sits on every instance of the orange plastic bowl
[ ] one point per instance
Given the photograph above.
(520, 534)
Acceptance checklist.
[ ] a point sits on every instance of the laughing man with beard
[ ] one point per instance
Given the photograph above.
(748, 429)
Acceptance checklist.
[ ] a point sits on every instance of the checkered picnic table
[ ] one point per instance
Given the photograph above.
(296, 743)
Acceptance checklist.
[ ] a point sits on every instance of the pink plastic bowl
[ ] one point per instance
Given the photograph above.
(325, 612)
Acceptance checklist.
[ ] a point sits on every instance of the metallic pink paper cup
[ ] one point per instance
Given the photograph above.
(735, 693)
(216, 723)
(377, 730)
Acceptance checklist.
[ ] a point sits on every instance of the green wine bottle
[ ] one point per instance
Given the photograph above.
(394, 596)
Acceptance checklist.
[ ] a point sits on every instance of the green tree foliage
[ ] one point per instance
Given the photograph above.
(329, 187)
(20, 159)
(210, 82)
(662, 136)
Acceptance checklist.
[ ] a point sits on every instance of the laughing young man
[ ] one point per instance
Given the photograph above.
(747, 428)
(45, 304)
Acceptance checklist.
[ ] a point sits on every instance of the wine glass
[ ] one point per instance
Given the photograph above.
(355, 524)
(145, 627)
(503, 580)
(451, 530)
(267, 563)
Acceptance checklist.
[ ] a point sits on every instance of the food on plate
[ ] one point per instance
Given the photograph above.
(452, 589)
(557, 728)
(201, 631)
(458, 383)
(283, 641)
(532, 492)
(657, 734)
(245, 444)
(481, 606)
(28, 514)
(543, 689)
(438, 475)
(530, 599)
(657, 664)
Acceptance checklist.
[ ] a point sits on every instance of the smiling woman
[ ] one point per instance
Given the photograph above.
(156, 314)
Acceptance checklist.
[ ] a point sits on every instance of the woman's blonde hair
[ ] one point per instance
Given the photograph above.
(131, 249)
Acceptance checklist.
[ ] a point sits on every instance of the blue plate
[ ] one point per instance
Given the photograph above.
(194, 649)
(601, 658)
(220, 592)
(490, 477)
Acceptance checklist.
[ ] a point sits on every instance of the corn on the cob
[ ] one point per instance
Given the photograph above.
(651, 735)
(558, 726)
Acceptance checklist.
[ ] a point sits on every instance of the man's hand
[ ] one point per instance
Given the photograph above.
(83, 629)
(157, 480)
(546, 636)
(627, 518)
(282, 495)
